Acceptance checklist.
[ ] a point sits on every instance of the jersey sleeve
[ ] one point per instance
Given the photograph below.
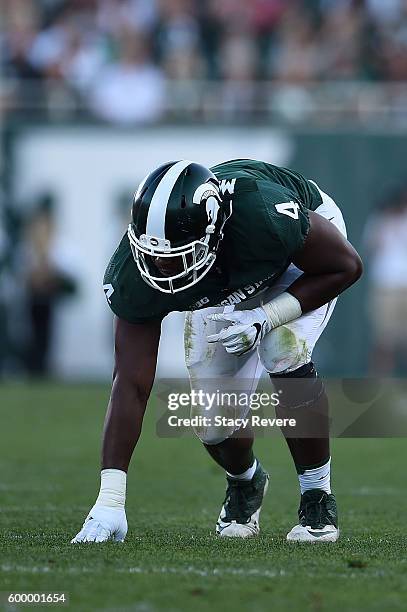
(287, 217)
(127, 295)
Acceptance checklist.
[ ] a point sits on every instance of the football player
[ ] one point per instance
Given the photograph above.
(256, 255)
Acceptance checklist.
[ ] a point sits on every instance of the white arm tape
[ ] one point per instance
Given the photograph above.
(282, 309)
(112, 488)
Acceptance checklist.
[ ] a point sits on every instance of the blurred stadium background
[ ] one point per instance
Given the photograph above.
(95, 93)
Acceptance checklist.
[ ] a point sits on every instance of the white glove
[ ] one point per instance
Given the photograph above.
(247, 329)
(103, 523)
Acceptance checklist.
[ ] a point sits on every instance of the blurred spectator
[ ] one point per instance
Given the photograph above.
(47, 51)
(11, 309)
(296, 58)
(237, 62)
(132, 89)
(4, 349)
(178, 46)
(178, 27)
(138, 15)
(386, 245)
(46, 282)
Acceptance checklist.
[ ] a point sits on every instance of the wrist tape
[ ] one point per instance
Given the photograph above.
(282, 309)
(112, 488)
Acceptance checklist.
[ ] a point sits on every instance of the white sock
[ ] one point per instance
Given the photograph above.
(247, 475)
(318, 478)
(112, 488)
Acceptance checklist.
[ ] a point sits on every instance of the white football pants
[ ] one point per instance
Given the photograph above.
(282, 350)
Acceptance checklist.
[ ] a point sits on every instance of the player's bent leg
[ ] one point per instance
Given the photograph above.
(302, 397)
(247, 481)
(217, 376)
(211, 370)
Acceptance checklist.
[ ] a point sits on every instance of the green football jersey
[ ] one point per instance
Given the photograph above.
(269, 223)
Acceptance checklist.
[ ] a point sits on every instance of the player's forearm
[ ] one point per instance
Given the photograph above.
(313, 291)
(329, 262)
(123, 423)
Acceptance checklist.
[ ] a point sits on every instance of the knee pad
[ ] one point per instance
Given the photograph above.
(298, 389)
(282, 351)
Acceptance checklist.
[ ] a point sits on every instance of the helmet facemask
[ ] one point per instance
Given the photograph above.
(195, 257)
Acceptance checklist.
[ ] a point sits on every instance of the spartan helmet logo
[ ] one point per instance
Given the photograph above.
(212, 209)
(209, 194)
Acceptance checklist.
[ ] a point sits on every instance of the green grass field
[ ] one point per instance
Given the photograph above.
(171, 559)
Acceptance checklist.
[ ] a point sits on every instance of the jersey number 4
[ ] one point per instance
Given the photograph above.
(288, 208)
